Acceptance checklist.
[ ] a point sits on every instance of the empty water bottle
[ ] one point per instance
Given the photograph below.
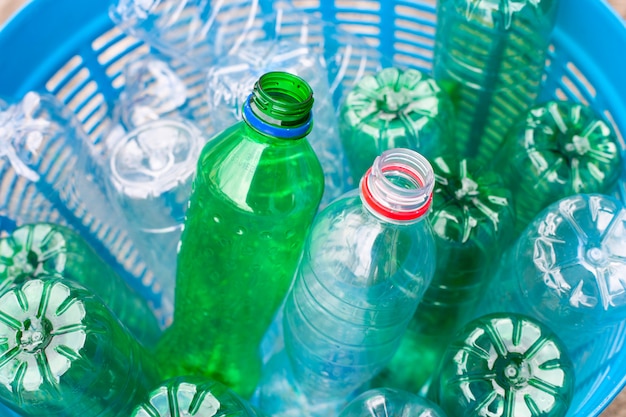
(566, 270)
(472, 221)
(149, 176)
(367, 262)
(257, 188)
(230, 81)
(52, 175)
(490, 55)
(505, 365)
(388, 402)
(193, 397)
(40, 249)
(394, 109)
(65, 354)
(558, 149)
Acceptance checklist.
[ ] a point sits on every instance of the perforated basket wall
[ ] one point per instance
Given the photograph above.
(72, 49)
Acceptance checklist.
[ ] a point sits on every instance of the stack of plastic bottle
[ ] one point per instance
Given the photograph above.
(417, 245)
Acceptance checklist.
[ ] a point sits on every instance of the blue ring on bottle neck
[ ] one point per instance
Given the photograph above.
(275, 131)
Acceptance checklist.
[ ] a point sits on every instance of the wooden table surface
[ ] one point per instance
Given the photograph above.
(618, 407)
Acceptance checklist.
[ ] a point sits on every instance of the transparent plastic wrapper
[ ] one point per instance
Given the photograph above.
(230, 81)
(158, 87)
(202, 31)
(66, 354)
(149, 174)
(388, 402)
(505, 365)
(490, 56)
(567, 271)
(50, 173)
(557, 149)
(193, 397)
(366, 264)
(152, 91)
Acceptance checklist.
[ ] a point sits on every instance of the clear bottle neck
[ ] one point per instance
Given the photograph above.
(280, 105)
(399, 186)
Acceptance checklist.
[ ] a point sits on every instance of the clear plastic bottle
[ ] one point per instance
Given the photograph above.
(505, 365)
(367, 261)
(388, 402)
(472, 220)
(258, 186)
(193, 397)
(51, 174)
(66, 355)
(566, 270)
(148, 176)
(394, 108)
(39, 249)
(490, 55)
(559, 149)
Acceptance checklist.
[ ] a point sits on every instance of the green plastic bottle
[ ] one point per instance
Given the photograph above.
(39, 249)
(394, 108)
(257, 188)
(558, 149)
(194, 397)
(64, 354)
(505, 365)
(472, 221)
(490, 56)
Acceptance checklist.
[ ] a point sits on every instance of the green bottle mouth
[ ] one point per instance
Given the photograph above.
(282, 99)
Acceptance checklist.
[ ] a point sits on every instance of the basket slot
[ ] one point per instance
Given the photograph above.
(570, 90)
(423, 54)
(116, 67)
(424, 30)
(364, 30)
(96, 115)
(67, 71)
(412, 61)
(363, 6)
(313, 5)
(580, 82)
(108, 39)
(80, 97)
(73, 86)
(365, 19)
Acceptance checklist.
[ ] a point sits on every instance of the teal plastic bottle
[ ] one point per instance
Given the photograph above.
(388, 402)
(566, 271)
(257, 188)
(505, 365)
(194, 397)
(558, 149)
(472, 221)
(39, 249)
(394, 108)
(490, 55)
(66, 355)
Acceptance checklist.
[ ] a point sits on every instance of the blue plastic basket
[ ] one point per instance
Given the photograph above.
(71, 49)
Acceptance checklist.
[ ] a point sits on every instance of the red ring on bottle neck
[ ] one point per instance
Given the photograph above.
(387, 212)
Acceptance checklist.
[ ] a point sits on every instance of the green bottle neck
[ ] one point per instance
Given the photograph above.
(280, 106)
